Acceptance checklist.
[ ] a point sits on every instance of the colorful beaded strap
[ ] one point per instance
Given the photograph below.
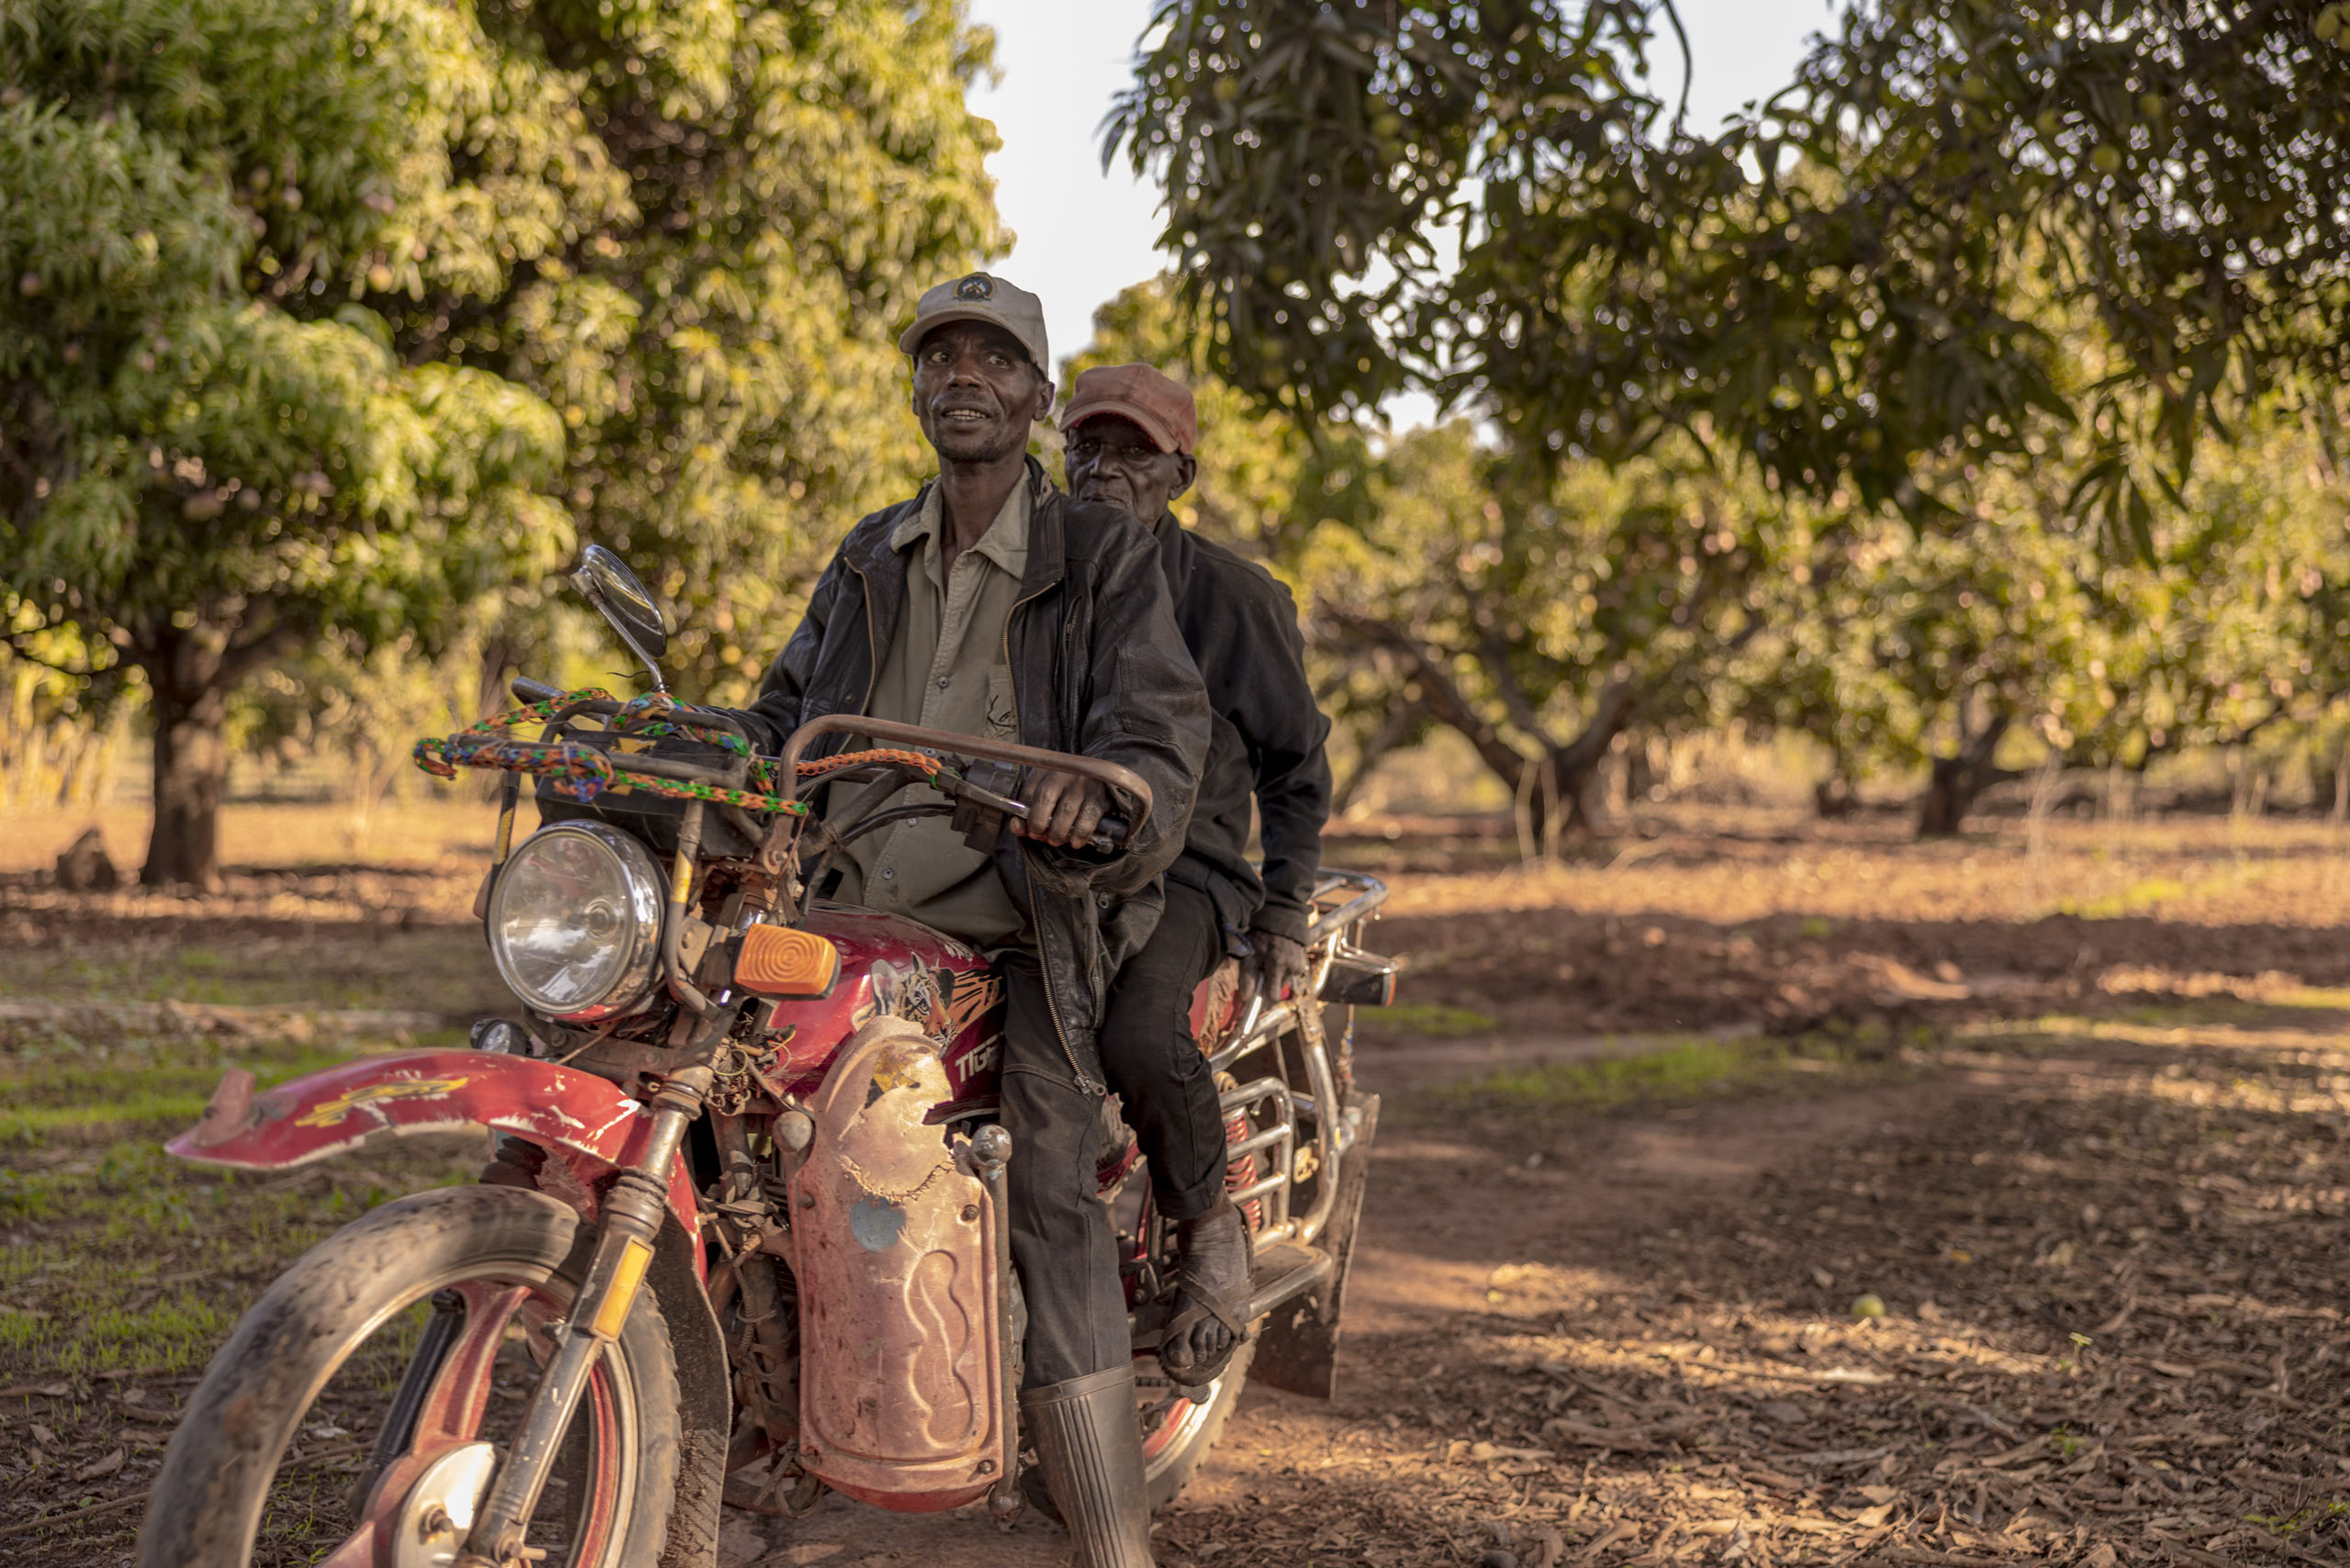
(581, 773)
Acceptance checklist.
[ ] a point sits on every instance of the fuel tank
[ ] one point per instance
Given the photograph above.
(896, 967)
(893, 1243)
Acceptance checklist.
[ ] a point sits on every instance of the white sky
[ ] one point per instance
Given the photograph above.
(1084, 235)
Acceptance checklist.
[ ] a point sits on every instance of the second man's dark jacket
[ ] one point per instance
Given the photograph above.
(1097, 667)
(1240, 624)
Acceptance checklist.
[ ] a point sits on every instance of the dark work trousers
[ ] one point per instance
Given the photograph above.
(1151, 1059)
(1061, 1238)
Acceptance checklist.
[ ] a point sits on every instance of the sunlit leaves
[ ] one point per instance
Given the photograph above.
(1841, 287)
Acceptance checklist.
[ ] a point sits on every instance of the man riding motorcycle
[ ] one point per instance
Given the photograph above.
(990, 604)
(1130, 432)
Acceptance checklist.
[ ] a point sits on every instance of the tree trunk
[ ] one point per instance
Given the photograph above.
(1639, 769)
(185, 675)
(1575, 767)
(1959, 781)
(1400, 721)
(1833, 798)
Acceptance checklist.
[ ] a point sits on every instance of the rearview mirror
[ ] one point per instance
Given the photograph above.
(626, 604)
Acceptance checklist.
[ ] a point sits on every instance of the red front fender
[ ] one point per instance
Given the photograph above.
(595, 1127)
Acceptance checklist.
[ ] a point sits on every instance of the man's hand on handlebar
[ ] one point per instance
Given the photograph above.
(1064, 810)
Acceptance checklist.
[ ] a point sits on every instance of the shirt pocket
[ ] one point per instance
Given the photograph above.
(1003, 708)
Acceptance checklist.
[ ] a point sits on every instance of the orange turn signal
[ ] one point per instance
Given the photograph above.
(777, 961)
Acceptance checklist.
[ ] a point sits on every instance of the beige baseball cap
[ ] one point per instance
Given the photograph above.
(982, 297)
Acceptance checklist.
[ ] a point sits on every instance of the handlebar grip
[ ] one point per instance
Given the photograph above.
(1111, 835)
(525, 689)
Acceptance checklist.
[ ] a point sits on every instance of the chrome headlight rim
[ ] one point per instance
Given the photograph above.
(644, 891)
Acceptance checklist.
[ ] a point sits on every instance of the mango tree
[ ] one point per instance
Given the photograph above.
(207, 453)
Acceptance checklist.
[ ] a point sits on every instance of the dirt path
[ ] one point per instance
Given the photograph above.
(2108, 1245)
(2108, 1268)
(1448, 1215)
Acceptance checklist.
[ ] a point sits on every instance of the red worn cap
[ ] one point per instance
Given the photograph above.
(1159, 404)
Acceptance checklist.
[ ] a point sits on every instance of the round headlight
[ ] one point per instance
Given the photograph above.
(574, 922)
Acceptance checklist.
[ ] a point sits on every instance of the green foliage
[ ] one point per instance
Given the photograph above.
(1846, 285)
(190, 433)
(208, 452)
(2233, 620)
(331, 320)
(694, 234)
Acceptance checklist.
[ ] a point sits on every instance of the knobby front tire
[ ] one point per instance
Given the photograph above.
(513, 1258)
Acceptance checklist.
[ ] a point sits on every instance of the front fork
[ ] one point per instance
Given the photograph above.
(630, 1217)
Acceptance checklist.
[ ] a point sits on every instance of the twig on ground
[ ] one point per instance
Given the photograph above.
(93, 1511)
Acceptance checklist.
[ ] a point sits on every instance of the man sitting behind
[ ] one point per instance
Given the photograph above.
(1130, 432)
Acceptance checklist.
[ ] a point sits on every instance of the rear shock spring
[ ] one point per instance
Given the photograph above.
(1242, 1172)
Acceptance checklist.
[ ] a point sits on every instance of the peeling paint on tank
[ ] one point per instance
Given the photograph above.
(877, 1223)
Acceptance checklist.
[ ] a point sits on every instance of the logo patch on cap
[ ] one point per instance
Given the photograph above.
(979, 285)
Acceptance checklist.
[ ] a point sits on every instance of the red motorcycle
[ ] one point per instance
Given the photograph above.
(745, 1240)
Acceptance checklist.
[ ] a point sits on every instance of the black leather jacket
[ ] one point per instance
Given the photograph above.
(1241, 626)
(1097, 667)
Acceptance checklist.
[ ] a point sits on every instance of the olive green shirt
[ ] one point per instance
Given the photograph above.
(948, 669)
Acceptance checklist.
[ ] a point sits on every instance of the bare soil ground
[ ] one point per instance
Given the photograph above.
(2018, 1238)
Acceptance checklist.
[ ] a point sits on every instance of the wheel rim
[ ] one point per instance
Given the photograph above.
(504, 1334)
(1170, 1415)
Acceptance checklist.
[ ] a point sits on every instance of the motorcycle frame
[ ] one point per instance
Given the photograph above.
(599, 1135)
(1336, 1129)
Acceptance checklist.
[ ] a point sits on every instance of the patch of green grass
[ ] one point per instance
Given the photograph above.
(2135, 899)
(2289, 1525)
(121, 1257)
(1430, 1019)
(1688, 1070)
(433, 969)
(1819, 927)
(74, 1100)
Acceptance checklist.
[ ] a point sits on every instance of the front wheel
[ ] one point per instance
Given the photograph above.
(353, 1416)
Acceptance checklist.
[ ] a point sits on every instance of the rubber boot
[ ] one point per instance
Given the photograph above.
(1089, 1440)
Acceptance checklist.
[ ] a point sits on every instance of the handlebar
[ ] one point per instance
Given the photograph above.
(1095, 768)
(1113, 832)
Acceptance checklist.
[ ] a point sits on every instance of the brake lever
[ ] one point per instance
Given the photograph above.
(981, 812)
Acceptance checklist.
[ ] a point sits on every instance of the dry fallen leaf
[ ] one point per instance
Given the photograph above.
(1622, 1529)
(98, 1467)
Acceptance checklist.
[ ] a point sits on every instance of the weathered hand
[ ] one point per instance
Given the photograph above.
(1274, 962)
(1063, 809)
